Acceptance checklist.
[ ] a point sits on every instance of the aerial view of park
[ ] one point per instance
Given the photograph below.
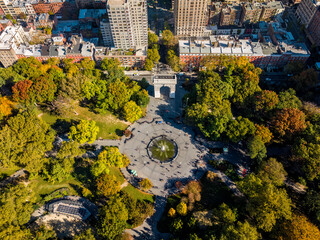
(112, 143)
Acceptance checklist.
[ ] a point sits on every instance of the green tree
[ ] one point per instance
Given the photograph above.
(116, 96)
(84, 131)
(225, 214)
(173, 60)
(240, 128)
(28, 68)
(312, 204)
(264, 133)
(176, 225)
(24, 141)
(152, 39)
(145, 184)
(108, 185)
(153, 55)
(132, 112)
(85, 235)
(272, 171)
(113, 158)
(256, 148)
(168, 38)
(61, 167)
(113, 68)
(264, 101)
(141, 98)
(242, 231)
(288, 99)
(112, 218)
(182, 209)
(148, 65)
(267, 203)
(16, 204)
(309, 154)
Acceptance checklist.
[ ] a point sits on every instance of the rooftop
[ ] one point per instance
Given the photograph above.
(91, 13)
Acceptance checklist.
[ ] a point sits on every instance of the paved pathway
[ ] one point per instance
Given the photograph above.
(148, 230)
(185, 167)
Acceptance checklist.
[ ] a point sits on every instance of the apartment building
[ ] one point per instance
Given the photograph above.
(190, 17)
(265, 55)
(230, 15)
(306, 10)
(251, 13)
(214, 10)
(270, 10)
(7, 54)
(128, 23)
(125, 57)
(15, 35)
(313, 32)
(105, 29)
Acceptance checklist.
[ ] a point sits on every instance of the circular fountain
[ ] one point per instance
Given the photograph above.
(162, 149)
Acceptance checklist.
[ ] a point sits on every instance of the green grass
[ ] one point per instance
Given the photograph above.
(42, 188)
(137, 194)
(8, 171)
(117, 173)
(110, 126)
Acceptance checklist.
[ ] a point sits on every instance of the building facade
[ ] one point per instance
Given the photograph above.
(7, 55)
(190, 17)
(230, 15)
(251, 13)
(264, 55)
(306, 10)
(128, 23)
(314, 29)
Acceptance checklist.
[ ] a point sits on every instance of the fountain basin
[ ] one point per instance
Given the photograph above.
(162, 149)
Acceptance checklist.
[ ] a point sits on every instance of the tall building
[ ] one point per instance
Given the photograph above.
(128, 23)
(306, 10)
(190, 17)
(314, 28)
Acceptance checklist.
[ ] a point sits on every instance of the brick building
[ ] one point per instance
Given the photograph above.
(265, 55)
(54, 6)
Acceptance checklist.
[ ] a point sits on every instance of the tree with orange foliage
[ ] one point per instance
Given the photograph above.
(21, 91)
(299, 228)
(264, 133)
(6, 107)
(288, 121)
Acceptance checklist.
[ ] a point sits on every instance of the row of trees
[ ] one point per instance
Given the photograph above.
(55, 82)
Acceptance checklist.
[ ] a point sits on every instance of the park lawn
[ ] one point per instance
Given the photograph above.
(42, 188)
(137, 194)
(5, 172)
(110, 126)
(129, 189)
(117, 173)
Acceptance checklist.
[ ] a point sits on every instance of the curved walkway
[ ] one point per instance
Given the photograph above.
(148, 230)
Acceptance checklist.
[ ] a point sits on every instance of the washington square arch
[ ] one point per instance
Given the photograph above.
(164, 80)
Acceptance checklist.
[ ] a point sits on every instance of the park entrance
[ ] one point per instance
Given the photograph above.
(164, 80)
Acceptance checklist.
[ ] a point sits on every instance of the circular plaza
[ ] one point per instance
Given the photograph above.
(163, 152)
